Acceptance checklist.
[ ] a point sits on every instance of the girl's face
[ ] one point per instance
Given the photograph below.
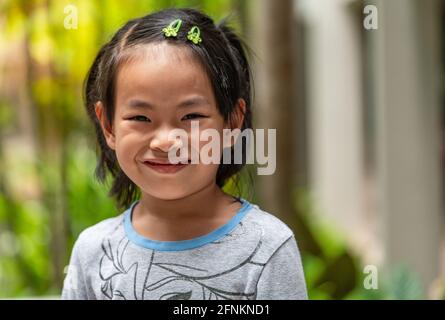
(161, 89)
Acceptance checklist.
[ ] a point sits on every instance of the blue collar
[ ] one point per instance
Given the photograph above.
(136, 238)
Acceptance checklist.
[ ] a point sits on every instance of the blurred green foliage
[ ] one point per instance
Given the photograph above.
(47, 197)
(25, 268)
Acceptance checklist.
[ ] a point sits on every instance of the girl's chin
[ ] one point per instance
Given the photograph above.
(167, 193)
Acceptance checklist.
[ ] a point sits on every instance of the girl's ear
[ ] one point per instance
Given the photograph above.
(236, 119)
(106, 128)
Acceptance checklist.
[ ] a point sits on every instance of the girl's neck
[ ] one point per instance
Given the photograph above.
(203, 204)
(182, 219)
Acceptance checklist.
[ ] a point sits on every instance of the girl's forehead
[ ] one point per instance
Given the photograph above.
(162, 52)
(162, 69)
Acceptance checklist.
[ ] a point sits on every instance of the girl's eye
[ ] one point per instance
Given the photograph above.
(140, 118)
(193, 116)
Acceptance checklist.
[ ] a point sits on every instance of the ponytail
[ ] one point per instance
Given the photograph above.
(238, 49)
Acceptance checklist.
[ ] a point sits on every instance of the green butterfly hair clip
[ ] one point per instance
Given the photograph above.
(194, 35)
(173, 28)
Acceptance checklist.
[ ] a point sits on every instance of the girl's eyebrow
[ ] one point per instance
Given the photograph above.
(194, 101)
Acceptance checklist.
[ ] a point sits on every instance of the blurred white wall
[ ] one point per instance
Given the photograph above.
(394, 216)
(335, 111)
(406, 58)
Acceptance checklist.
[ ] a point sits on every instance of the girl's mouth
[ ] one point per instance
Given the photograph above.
(164, 166)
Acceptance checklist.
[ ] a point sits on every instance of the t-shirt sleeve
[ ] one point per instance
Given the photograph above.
(74, 284)
(282, 277)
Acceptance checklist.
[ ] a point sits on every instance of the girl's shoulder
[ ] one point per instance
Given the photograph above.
(102, 228)
(270, 222)
(258, 235)
(273, 231)
(91, 239)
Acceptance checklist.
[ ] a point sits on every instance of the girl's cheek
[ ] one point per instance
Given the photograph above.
(133, 131)
(128, 127)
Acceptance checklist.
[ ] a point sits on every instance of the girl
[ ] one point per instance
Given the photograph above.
(184, 238)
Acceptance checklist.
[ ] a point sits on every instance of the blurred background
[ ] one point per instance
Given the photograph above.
(354, 88)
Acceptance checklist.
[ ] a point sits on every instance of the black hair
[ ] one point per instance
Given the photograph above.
(221, 53)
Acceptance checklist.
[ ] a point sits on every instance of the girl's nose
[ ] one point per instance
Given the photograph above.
(161, 142)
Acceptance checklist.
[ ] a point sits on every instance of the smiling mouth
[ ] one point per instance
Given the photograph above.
(164, 162)
(165, 166)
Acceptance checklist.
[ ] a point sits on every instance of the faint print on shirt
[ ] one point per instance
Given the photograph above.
(113, 272)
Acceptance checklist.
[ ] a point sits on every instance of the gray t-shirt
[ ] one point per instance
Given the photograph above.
(253, 256)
